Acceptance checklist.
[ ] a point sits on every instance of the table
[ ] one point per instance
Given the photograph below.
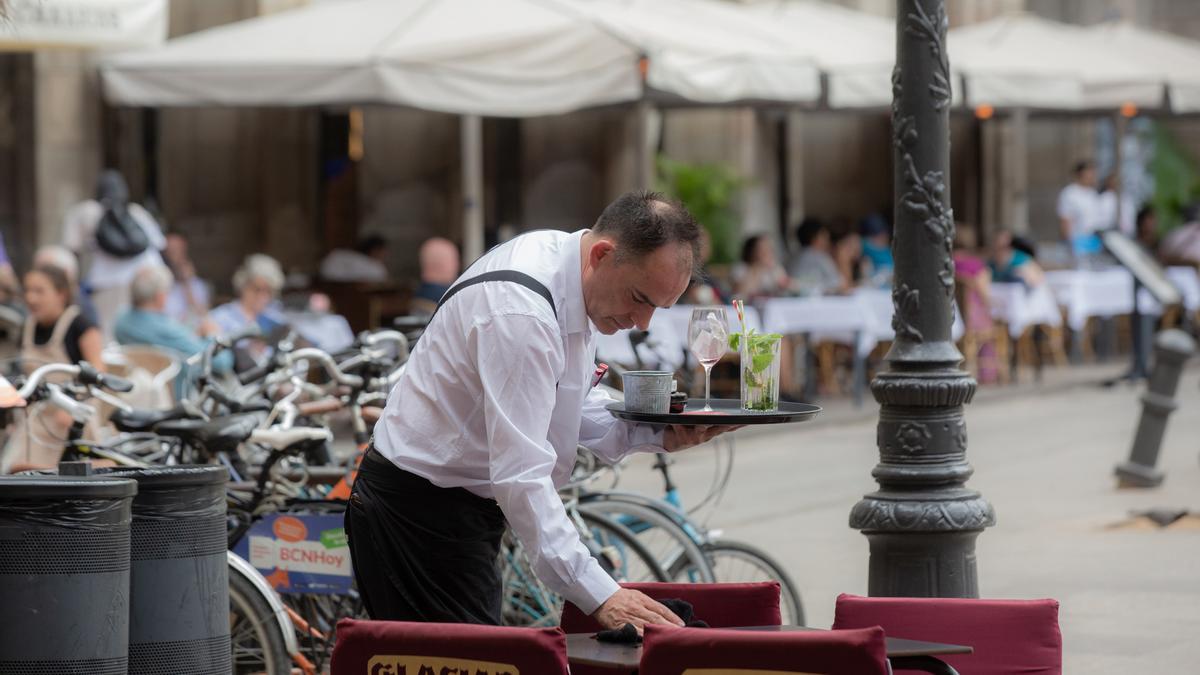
(1020, 307)
(582, 649)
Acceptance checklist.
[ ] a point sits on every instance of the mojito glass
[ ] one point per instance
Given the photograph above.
(760, 371)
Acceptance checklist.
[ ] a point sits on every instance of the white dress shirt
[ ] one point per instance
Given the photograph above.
(496, 397)
(1080, 206)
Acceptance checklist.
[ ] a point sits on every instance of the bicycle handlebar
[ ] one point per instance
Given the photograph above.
(327, 363)
(85, 373)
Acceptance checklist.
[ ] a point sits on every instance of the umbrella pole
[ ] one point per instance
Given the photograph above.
(471, 144)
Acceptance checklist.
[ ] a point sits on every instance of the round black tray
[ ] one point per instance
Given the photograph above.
(726, 411)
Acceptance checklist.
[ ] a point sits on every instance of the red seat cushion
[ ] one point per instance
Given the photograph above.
(376, 647)
(718, 605)
(1009, 636)
(674, 651)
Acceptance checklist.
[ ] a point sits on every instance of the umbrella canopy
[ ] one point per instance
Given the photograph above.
(482, 57)
(1021, 60)
(855, 50)
(708, 51)
(1176, 60)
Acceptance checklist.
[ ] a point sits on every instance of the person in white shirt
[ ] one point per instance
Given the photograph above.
(1079, 212)
(484, 424)
(109, 276)
(364, 263)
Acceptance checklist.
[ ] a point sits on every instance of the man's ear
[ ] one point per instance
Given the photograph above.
(601, 250)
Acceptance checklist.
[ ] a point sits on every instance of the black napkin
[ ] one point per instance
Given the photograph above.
(628, 635)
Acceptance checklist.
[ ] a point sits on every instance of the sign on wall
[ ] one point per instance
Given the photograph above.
(41, 24)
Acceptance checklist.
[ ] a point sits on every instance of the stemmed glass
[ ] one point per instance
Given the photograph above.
(708, 338)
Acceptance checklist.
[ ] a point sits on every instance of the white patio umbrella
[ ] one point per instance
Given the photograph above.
(708, 51)
(854, 50)
(473, 57)
(1024, 61)
(1174, 60)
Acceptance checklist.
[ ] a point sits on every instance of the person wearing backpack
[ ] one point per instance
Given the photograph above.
(115, 237)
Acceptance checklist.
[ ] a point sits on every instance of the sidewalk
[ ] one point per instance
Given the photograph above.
(1043, 456)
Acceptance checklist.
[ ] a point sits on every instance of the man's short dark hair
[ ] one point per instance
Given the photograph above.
(807, 233)
(1083, 165)
(642, 222)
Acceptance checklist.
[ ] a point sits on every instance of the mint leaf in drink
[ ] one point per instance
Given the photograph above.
(735, 341)
(761, 361)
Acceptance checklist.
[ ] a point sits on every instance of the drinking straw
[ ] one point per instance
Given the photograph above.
(737, 305)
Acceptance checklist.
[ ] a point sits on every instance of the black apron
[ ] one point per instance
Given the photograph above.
(421, 552)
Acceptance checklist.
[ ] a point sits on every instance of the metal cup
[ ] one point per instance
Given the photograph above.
(647, 391)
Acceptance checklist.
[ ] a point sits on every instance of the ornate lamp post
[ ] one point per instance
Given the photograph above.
(923, 520)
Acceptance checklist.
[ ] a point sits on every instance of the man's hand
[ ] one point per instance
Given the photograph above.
(678, 437)
(630, 606)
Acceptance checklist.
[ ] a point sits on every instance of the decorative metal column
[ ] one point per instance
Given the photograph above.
(923, 521)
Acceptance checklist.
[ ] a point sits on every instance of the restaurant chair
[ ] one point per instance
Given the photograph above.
(718, 605)
(1008, 636)
(716, 651)
(365, 647)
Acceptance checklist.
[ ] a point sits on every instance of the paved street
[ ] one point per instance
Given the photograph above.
(1130, 597)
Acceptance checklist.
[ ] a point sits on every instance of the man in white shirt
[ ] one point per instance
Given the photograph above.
(1079, 211)
(484, 424)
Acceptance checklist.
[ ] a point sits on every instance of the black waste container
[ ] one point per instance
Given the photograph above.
(64, 574)
(179, 587)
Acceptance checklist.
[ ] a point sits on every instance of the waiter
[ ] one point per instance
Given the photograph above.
(482, 428)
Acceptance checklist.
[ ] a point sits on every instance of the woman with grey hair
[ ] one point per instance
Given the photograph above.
(257, 283)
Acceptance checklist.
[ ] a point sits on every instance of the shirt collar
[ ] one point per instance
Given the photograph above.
(574, 313)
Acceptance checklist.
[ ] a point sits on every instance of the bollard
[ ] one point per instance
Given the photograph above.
(1172, 348)
(64, 574)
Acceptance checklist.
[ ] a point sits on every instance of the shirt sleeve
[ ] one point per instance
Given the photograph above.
(612, 439)
(518, 358)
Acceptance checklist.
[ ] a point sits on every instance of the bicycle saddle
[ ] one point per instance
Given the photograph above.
(283, 439)
(222, 434)
(146, 420)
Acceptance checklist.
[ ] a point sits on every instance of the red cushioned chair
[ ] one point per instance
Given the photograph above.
(718, 605)
(1009, 636)
(680, 651)
(377, 647)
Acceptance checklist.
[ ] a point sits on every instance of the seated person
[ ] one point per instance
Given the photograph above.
(847, 255)
(813, 270)
(974, 278)
(258, 283)
(189, 299)
(147, 323)
(876, 249)
(704, 288)
(56, 330)
(759, 274)
(1181, 246)
(1146, 230)
(364, 263)
(8, 278)
(62, 258)
(1010, 265)
(439, 262)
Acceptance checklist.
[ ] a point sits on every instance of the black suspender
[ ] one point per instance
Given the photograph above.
(501, 275)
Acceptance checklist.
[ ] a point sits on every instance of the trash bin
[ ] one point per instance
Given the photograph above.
(64, 574)
(179, 586)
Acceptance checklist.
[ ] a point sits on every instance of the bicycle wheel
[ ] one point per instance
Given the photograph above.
(258, 644)
(320, 613)
(528, 602)
(666, 533)
(734, 561)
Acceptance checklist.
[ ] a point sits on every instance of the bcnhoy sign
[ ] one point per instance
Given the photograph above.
(435, 665)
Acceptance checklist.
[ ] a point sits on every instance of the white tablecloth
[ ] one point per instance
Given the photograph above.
(667, 343)
(1092, 293)
(839, 318)
(1109, 292)
(1021, 308)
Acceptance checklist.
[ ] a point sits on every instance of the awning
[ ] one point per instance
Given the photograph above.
(39, 24)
